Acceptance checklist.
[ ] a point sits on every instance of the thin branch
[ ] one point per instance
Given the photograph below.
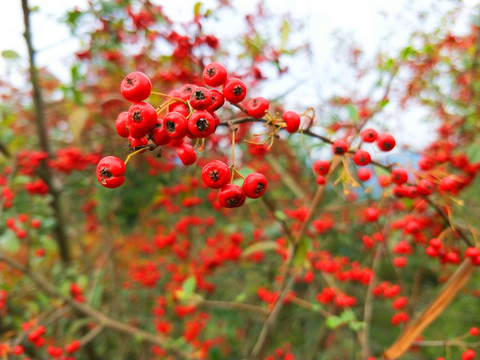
(234, 306)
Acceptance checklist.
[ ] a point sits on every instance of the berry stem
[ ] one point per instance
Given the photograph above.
(133, 154)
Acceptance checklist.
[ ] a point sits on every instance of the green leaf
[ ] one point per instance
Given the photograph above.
(347, 316)
(240, 298)
(189, 286)
(9, 242)
(280, 215)
(333, 322)
(10, 55)
(260, 246)
(284, 33)
(301, 253)
(473, 152)
(356, 325)
(352, 112)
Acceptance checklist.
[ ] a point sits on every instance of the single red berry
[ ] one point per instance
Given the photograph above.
(400, 261)
(180, 108)
(257, 107)
(339, 147)
(121, 124)
(111, 172)
(425, 187)
(362, 158)
(321, 167)
(472, 252)
(369, 135)
(73, 346)
(175, 125)
(292, 120)
(383, 180)
(54, 352)
(474, 331)
(136, 87)
(201, 98)
(231, 196)
(399, 191)
(36, 223)
(431, 251)
(216, 174)
(217, 100)
(386, 142)
(214, 74)
(186, 91)
(468, 355)
(234, 90)
(136, 144)
(399, 176)
(447, 184)
(426, 163)
(371, 214)
(18, 350)
(158, 134)
(187, 154)
(255, 185)
(320, 180)
(201, 124)
(400, 303)
(411, 192)
(142, 117)
(364, 174)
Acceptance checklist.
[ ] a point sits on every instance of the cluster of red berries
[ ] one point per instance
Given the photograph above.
(188, 113)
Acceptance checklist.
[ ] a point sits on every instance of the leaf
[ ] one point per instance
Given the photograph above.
(260, 246)
(10, 55)
(76, 121)
(356, 325)
(189, 286)
(196, 8)
(352, 112)
(284, 33)
(10, 242)
(473, 152)
(347, 316)
(301, 253)
(333, 322)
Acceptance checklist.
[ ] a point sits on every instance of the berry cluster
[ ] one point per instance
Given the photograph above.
(189, 113)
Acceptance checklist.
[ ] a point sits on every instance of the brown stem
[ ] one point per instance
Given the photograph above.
(103, 320)
(39, 108)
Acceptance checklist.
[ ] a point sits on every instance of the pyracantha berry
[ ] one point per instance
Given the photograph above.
(231, 196)
(186, 153)
(111, 172)
(426, 163)
(255, 185)
(180, 108)
(339, 147)
(186, 91)
(386, 142)
(135, 144)
(321, 167)
(136, 87)
(175, 125)
(234, 90)
(364, 174)
(320, 180)
(158, 134)
(142, 117)
(121, 124)
(399, 176)
(201, 124)
(216, 174)
(217, 100)
(425, 187)
(201, 98)
(214, 74)
(369, 135)
(362, 158)
(447, 184)
(257, 107)
(292, 120)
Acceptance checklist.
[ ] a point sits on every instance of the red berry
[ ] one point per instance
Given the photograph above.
(321, 167)
(364, 174)
(292, 120)
(35, 223)
(386, 142)
(400, 261)
(175, 125)
(187, 154)
(121, 124)
(111, 172)
(447, 184)
(136, 87)
(201, 98)
(186, 91)
(399, 176)
(201, 124)
(255, 185)
(216, 174)
(425, 187)
(231, 196)
(468, 355)
(339, 147)
(234, 90)
(136, 144)
(426, 163)
(18, 350)
(142, 117)
(435, 242)
(257, 107)
(158, 134)
(474, 331)
(362, 158)
(214, 74)
(73, 346)
(371, 214)
(472, 252)
(369, 135)
(320, 180)
(217, 100)
(180, 108)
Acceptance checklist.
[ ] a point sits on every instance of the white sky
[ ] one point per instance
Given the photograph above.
(373, 24)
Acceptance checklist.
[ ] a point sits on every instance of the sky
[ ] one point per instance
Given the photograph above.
(373, 24)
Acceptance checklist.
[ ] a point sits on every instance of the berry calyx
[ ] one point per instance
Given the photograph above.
(231, 196)
(255, 185)
(142, 117)
(136, 87)
(111, 172)
(292, 120)
(234, 90)
(214, 74)
(216, 174)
